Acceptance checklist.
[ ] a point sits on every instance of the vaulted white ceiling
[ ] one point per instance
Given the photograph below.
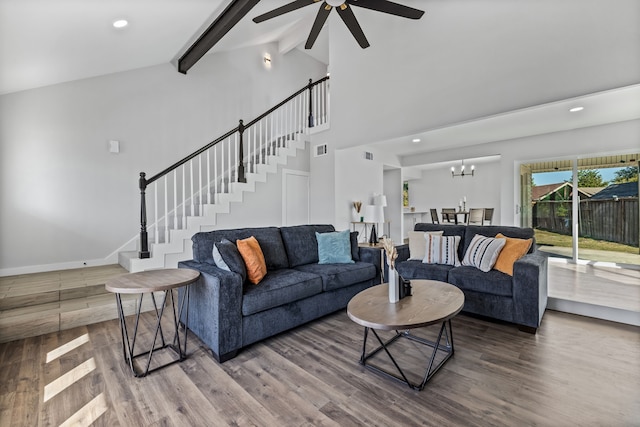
(45, 42)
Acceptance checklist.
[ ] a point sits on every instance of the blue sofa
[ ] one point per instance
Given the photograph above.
(521, 299)
(228, 314)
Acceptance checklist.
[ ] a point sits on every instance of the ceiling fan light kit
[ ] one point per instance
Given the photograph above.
(344, 10)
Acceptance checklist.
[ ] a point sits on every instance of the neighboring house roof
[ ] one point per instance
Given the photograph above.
(627, 189)
(589, 191)
(539, 192)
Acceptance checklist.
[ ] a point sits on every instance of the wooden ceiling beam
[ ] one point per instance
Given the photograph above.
(232, 14)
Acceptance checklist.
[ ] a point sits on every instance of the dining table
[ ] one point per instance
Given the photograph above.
(447, 214)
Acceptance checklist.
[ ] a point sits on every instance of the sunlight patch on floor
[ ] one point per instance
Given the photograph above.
(66, 380)
(88, 413)
(65, 348)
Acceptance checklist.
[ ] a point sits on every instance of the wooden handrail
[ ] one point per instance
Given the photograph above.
(143, 182)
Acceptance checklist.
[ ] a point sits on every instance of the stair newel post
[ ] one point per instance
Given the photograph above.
(311, 103)
(241, 175)
(144, 239)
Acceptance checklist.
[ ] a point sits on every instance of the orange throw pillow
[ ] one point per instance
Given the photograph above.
(253, 258)
(513, 250)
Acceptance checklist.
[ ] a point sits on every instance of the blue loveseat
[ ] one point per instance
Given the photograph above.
(519, 299)
(227, 313)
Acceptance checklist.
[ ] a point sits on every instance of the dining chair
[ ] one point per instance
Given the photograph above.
(434, 216)
(488, 215)
(476, 216)
(449, 215)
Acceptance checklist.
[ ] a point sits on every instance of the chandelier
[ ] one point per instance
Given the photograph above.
(462, 172)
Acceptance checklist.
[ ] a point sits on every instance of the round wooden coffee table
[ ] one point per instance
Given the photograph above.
(432, 302)
(148, 282)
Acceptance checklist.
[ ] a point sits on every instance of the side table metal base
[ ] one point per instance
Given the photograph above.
(444, 345)
(178, 346)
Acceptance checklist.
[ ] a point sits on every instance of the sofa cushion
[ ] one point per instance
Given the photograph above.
(269, 239)
(419, 270)
(226, 256)
(483, 252)
(492, 282)
(513, 250)
(336, 276)
(442, 250)
(418, 243)
(334, 247)
(253, 258)
(280, 287)
(493, 230)
(301, 244)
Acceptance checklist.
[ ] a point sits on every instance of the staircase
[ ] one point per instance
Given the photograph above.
(177, 247)
(189, 196)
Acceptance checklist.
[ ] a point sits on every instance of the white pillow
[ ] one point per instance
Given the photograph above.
(442, 250)
(483, 252)
(418, 244)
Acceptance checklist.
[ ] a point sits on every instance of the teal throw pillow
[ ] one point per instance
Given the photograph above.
(334, 247)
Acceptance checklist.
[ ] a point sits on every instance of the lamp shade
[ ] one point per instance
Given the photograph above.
(373, 213)
(380, 200)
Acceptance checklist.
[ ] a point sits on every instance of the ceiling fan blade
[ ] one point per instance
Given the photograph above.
(389, 7)
(321, 17)
(290, 7)
(351, 22)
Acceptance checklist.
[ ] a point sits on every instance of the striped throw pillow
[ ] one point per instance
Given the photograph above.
(442, 250)
(483, 252)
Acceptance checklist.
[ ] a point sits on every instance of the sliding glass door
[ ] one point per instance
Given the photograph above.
(584, 209)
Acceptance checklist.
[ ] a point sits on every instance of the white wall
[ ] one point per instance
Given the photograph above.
(437, 189)
(263, 208)
(65, 199)
(615, 138)
(322, 182)
(392, 188)
(356, 179)
(466, 59)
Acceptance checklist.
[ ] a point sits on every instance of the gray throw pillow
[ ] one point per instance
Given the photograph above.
(227, 257)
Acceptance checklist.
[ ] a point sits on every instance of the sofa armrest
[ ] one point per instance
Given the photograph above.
(372, 256)
(215, 308)
(530, 289)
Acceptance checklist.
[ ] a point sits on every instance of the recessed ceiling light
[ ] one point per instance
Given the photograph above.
(415, 140)
(576, 109)
(120, 23)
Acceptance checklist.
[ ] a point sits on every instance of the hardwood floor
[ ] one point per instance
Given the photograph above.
(575, 371)
(593, 284)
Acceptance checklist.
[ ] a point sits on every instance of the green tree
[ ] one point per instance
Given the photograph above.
(590, 178)
(628, 174)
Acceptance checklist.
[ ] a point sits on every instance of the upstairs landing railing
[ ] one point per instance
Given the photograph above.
(182, 189)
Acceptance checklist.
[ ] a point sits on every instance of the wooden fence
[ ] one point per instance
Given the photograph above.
(612, 220)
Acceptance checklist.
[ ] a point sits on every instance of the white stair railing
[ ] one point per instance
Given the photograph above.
(205, 177)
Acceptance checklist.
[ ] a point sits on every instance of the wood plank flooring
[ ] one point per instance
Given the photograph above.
(34, 304)
(598, 285)
(576, 371)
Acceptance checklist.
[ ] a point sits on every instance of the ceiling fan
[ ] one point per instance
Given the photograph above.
(345, 12)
